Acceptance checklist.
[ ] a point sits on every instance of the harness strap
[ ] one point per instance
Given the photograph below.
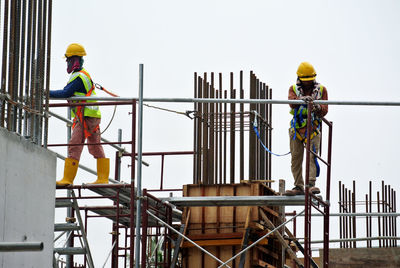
(79, 114)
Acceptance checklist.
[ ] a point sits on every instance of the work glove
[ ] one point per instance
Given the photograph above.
(306, 98)
(316, 108)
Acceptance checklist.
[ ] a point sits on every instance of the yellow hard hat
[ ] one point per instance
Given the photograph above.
(306, 72)
(75, 49)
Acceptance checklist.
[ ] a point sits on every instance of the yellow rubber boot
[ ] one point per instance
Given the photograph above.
(103, 170)
(70, 169)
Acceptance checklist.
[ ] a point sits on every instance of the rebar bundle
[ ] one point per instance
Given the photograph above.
(25, 68)
(219, 127)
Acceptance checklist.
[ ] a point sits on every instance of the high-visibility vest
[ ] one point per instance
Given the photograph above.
(90, 111)
(300, 113)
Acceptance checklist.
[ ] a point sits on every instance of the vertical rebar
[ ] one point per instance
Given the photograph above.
(366, 219)
(354, 211)
(270, 138)
(4, 62)
(225, 133)
(241, 134)
(211, 131)
(257, 144)
(205, 132)
(389, 218)
(39, 76)
(33, 69)
(346, 223)
(263, 134)
(195, 130)
(386, 218)
(379, 218)
(48, 54)
(340, 211)
(395, 219)
(252, 138)
(22, 65)
(200, 122)
(11, 71)
(220, 128)
(232, 132)
(216, 139)
(370, 210)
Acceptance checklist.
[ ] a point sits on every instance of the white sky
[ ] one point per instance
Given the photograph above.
(354, 46)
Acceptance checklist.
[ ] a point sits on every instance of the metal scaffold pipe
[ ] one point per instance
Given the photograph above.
(20, 246)
(139, 169)
(251, 101)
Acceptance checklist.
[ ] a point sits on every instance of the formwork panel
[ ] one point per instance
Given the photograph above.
(221, 230)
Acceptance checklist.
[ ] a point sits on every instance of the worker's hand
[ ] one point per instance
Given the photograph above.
(306, 98)
(316, 108)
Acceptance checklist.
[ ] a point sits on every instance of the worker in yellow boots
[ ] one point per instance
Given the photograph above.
(86, 118)
(307, 89)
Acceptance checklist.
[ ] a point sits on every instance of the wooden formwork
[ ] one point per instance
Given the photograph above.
(222, 230)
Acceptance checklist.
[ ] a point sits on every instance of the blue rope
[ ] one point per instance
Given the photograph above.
(316, 162)
(258, 136)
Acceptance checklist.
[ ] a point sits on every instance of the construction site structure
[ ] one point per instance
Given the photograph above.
(229, 216)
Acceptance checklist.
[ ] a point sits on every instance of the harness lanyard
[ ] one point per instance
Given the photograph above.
(258, 136)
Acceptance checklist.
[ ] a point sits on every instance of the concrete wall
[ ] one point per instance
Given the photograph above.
(27, 198)
(363, 257)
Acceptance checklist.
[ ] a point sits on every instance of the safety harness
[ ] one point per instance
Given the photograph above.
(79, 115)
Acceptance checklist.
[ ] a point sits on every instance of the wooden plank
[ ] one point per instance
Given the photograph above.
(208, 261)
(270, 211)
(220, 242)
(245, 239)
(280, 238)
(268, 252)
(257, 181)
(215, 236)
(226, 213)
(210, 213)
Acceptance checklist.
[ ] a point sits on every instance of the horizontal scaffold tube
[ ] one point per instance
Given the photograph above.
(20, 246)
(253, 101)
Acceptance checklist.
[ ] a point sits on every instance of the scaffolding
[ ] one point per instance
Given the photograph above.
(149, 223)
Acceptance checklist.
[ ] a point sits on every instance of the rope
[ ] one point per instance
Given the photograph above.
(258, 136)
(112, 118)
(105, 90)
(187, 113)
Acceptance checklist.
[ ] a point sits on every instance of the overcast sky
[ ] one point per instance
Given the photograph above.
(353, 45)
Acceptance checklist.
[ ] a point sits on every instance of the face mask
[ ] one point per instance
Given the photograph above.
(73, 63)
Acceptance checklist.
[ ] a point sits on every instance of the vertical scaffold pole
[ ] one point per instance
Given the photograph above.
(139, 170)
(307, 218)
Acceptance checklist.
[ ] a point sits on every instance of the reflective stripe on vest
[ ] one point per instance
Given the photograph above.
(90, 111)
(300, 114)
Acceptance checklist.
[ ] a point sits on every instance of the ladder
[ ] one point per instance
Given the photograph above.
(70, 227)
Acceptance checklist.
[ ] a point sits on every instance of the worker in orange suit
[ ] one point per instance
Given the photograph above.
(86, 118)
(307, 89)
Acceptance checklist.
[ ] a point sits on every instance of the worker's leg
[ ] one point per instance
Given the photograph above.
(77, 137)
(74, 154)
(95, 150)
(103, 164)
(297, 152)
(313, 169)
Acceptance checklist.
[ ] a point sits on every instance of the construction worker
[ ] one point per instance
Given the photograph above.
(86, 118)
(307, 89)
